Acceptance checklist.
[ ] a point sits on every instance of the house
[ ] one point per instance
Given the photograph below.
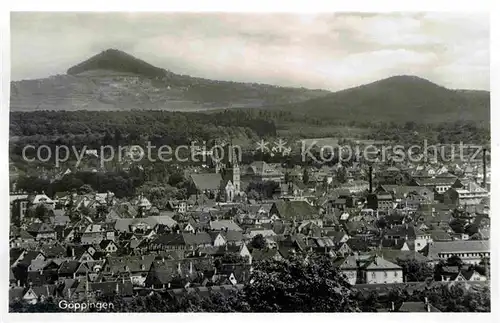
(233, 237)
(266, 254)
(35, 294)
(416, 307)
(217, 238)
(68, 269)
(135, 267)
(412, 193)
(439, 235)
(19, 206)
(409, 232)
(142, 203)
(381, 271)
(262, 171)
(90, 269)
(437, 184)
(21, 238)
(343, 249)
(396, 244)
(356, 186)
(294, 211)
(240, 250)
(41, 231)
(224, 225)
(384, 201)
(177, 241)
(119, 287)
(471, 194)
(234, 273)
(96, 232)
(395, 255)
(177, 206)
(80, 253)
(292, 189)
(337, 236)
(470, 251)
(456, 273)
(25, 257)
(349, 267)
(108, 246)
(41, 199)
(171, 273)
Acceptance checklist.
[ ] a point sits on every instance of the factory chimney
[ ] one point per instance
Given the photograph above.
(484, 167)
(370, 171)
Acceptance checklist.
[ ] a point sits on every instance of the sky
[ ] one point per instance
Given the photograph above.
(330, 51)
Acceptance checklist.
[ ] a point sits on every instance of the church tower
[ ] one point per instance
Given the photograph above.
(236, 174)
(230, 172)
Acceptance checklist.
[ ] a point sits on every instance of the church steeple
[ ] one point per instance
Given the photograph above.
(235, 167)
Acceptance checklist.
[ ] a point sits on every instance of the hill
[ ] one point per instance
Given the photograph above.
(400, 99)
(115, 80)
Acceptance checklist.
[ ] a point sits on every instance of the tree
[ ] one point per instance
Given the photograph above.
(41, 212)
(259, 242)
(85, 189)
(107, 139)
(454, 261)
(471, 229)
(458, 225)
(415, 271)
(253, 195)
(299, 284)
(118, 138)
(484, 267)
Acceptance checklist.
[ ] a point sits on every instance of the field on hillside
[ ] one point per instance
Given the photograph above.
(297, 130)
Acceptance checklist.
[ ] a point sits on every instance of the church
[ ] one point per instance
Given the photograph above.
(229, 169)
(225, 184)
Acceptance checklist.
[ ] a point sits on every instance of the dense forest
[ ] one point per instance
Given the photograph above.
(176, 125)
(179, 127)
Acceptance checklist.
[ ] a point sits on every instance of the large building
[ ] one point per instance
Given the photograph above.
(471, 194)
(470, 251)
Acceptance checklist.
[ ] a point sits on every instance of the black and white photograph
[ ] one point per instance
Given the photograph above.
(265, 162)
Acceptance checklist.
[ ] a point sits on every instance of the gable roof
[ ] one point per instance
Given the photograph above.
(265, 254)
(393, 255)
(69, 267)
(184, 238)
(296, 210)
(379, 263)
(417, 307)
(458, 246)
(130, 263)
(207, 181)
(230, 225)
(442, 180)
(232, 236)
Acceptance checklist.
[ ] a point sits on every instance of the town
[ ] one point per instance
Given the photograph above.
(82, 244)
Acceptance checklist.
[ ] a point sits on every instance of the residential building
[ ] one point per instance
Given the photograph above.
(470, 251)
